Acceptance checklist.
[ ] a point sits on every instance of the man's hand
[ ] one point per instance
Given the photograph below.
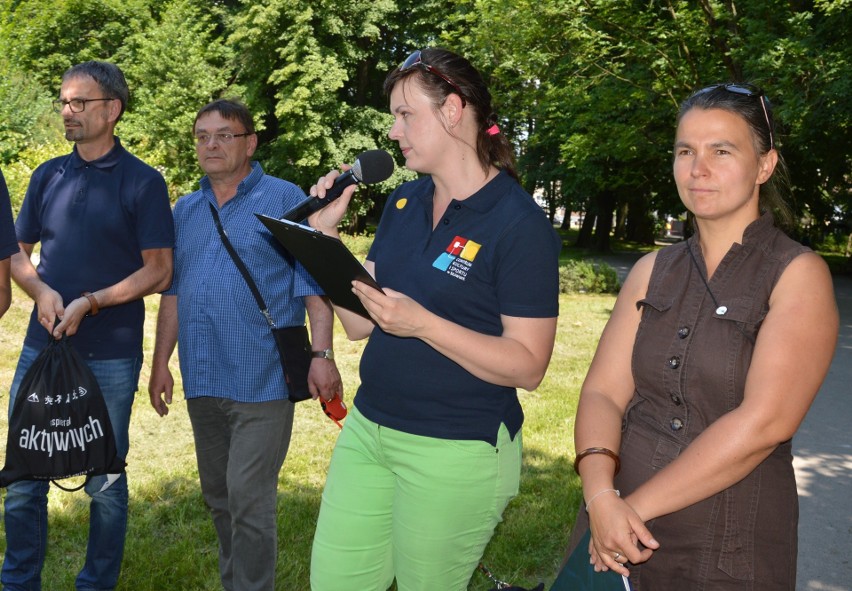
(72, 317)
(49, 304)
(324, 380)
(160, 388)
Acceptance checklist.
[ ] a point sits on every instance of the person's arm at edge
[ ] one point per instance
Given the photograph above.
(161, 383)
(5, 285)
(605, 394)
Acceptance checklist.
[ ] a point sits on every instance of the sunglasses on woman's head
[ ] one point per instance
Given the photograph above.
(745, 90)
(415, 60)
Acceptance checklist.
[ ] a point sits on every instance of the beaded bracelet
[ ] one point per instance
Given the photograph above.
(596, 495)
(596, 450)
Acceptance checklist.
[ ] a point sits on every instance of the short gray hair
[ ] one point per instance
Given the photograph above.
(108, 76)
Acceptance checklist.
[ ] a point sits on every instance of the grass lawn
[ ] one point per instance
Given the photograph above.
(171, 543)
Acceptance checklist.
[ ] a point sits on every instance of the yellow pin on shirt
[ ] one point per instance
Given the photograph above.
(400, 203)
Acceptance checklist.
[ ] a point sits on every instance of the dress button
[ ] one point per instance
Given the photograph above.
(676, 399)
(722, 310)
(446, 221)
(683, 332)
(674, 362)
(457, 206)
(677, 424)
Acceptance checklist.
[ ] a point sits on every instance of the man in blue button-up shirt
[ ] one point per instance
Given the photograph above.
(232, 377)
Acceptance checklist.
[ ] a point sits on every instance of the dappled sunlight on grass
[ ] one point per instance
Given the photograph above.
(171, 543)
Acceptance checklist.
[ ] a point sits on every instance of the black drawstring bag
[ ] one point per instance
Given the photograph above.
(59, 426)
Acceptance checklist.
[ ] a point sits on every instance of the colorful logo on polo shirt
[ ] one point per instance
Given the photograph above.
(457, 260)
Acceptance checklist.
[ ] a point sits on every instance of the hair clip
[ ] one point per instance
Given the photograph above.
(493, 130)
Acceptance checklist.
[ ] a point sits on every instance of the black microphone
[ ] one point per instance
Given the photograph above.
(372, 166)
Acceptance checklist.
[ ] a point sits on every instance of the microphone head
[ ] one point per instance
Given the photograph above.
(373, 166)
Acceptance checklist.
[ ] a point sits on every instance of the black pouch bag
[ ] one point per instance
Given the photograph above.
(294, 349)
(59, 426)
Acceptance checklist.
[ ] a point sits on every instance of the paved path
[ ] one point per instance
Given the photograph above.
(822, 458)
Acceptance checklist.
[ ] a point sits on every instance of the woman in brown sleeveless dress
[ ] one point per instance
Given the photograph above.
(714, 352)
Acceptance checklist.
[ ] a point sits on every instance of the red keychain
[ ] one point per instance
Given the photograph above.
(335, 409)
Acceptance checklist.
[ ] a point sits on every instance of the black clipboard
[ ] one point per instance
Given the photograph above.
(327, 259)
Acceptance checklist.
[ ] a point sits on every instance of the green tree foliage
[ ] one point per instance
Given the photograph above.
(596, 84)
(587, 89)
(43, 38)
(314, 70)
(310, 73)
(174, 67)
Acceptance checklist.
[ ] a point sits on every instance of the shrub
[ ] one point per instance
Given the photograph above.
(358, 244)
(587, 277)
(835, 242)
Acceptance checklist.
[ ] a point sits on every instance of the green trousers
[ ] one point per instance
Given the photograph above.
(417, 509)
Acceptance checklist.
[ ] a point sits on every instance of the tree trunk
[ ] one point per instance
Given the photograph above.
(621, 218)
(606, 206)
(584, 238)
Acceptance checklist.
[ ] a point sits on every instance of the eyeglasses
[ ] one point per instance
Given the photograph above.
(746, 90)
(201, 139)
(77, 105)
(416, 60)
(335, 409)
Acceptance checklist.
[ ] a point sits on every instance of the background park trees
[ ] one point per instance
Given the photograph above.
(586, 89)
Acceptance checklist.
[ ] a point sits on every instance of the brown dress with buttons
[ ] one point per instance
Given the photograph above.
(690, 362)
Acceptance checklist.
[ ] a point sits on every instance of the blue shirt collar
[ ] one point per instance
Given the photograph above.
(245, 187)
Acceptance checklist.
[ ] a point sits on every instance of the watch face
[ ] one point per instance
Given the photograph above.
(324, 354)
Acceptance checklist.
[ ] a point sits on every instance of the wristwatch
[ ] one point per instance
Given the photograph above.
(324, 354)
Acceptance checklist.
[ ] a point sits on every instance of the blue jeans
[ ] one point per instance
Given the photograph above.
(26, 500)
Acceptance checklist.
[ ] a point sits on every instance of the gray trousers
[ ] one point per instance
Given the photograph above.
(240, 448)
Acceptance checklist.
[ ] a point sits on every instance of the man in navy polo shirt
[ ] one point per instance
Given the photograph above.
(104, 222)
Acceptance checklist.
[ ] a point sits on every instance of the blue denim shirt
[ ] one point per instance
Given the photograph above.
(224, 344)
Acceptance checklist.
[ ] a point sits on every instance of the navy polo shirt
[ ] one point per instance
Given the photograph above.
(8, 241)
(93, 220)
(494, 253)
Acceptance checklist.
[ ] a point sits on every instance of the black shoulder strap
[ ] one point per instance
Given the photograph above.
(242, 268)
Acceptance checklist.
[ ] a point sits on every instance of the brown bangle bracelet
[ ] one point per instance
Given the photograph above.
(596, 450)
(93, 302)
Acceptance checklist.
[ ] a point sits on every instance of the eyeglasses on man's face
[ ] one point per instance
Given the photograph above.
(415, 60)
(202, 139)
(746, 90)
(77, 105)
